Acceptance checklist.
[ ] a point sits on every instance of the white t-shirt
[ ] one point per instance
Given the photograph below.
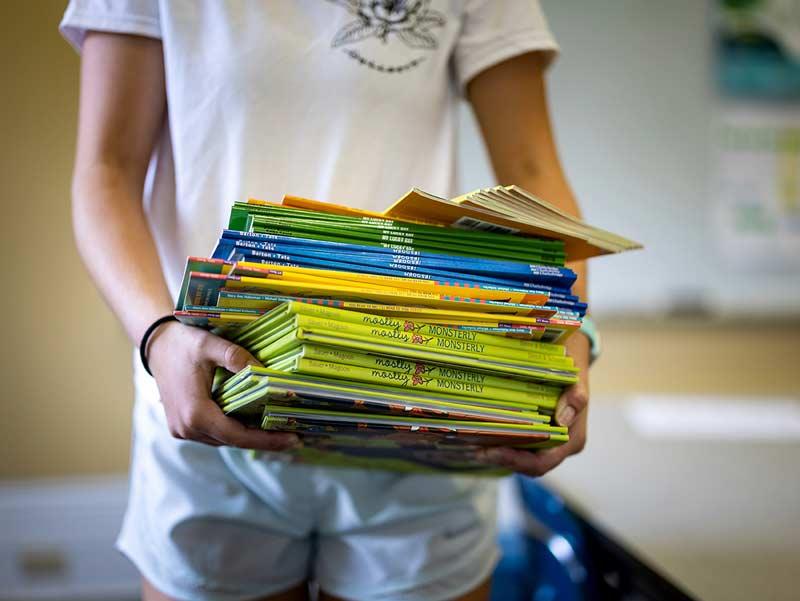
(344, 101)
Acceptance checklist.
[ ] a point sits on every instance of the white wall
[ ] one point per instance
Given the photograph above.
(632, 98)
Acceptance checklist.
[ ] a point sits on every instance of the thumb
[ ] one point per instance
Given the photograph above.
(572, 402)
(226, 354)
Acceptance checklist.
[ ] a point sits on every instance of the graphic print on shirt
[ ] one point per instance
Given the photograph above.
(408, 23)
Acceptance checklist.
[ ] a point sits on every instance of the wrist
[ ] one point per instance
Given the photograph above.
(153, 332)
(589, 331)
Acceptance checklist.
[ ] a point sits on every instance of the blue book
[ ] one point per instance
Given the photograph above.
(412, 257)
(233, 250)
(234, 253)
(555, 276)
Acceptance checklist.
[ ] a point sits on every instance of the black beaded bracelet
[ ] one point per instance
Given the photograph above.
(146, 337)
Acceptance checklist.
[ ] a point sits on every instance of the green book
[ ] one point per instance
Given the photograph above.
(388, 377)
(297, 223)
(370, 236)
(339, 425)
(518, 435)
(486, 384)
(319, 394)
(295, 337)
(237, 392)
(441, 346)
(414, 327)
(240, 211)
(291, 315)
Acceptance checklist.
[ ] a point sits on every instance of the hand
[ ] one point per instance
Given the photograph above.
(571, 411)
(183, 359)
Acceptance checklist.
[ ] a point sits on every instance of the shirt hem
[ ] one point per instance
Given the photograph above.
(500, 49)
(75, 24)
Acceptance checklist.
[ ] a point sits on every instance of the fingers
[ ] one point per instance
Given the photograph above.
(537, 463)
(185, 389)
(211, 422)
(572, 403)
(530, 463)
(212, 442)
(226, 354)
(203, 421)
(196, 417)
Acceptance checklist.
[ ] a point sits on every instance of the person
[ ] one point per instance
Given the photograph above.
(187, 105)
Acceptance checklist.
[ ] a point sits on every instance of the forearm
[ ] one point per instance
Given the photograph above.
(510, 103)
(115, 242)
(123, 103)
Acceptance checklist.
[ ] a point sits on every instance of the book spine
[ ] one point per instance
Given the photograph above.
(328, 369)
(388, 295)
(409, 259)
(458, 408)
(220, 310)
(368, 344)
(321, 263)
(538, 394)
(417, 327)
(390, 279)
(276, 284)
(450, 242)
(440, 345)
(522, 433)
(351, 263)
(321, 213)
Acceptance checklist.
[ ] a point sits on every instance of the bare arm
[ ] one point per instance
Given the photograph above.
(122, 112)
(510, 104)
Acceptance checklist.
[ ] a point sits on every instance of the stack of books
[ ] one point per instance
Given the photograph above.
(395, 343)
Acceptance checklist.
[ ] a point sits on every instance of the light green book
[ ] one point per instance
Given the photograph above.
(288, 419)
(414, 327)
(449, 346)
(295, 337)
(328, 369)
(539, 394)
(288, 389)
(409, 441)
(245, 381)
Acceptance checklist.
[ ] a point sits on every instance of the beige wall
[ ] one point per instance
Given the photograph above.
(706, 357)
(66, 364)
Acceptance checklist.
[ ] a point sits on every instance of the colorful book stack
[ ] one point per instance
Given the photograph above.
(392, 343)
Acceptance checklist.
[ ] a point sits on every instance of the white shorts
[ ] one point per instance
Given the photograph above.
(219, 523)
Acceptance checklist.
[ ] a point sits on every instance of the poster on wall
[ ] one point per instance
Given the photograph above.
(756, 140)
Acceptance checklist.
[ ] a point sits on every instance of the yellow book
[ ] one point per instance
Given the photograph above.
(382, 281)
(281, 287)
(232, 299)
